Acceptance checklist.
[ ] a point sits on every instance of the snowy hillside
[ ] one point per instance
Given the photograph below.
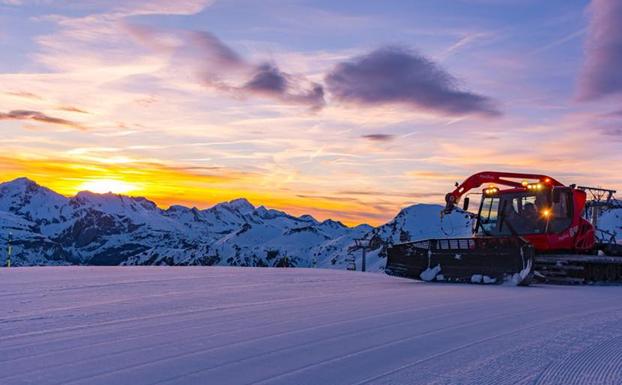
(611, 221)
(223, 325)
(109, 229)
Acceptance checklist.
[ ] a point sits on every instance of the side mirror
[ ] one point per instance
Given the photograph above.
(465, 204)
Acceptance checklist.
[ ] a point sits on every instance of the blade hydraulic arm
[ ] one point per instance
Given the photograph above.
(476, 180)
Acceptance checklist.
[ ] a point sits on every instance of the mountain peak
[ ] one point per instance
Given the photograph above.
(26, 187)
(25, 197)
(22, 182)
(333, 223)
(241, 205)
(308, 218)
(112, 201)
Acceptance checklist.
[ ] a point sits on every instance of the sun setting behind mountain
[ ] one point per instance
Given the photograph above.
(109, 185)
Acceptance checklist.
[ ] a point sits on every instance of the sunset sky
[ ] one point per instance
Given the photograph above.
(341, 109)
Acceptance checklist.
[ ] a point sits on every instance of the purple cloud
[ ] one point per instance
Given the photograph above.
(38, 117)
(394, 75)
(215, 50)
(601, 75)
(223, 68)
(270, 81)
(379, 137)
(267, 79)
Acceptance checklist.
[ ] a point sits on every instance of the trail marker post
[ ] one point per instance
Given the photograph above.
(9, 250)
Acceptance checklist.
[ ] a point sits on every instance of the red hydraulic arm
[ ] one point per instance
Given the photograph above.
(476, 180)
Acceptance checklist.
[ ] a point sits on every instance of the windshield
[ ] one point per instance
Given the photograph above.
(488, 214)
(522, 213)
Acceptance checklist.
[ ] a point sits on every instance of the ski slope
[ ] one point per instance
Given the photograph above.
(224, 325)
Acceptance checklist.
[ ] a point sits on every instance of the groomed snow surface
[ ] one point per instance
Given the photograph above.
(222, 325)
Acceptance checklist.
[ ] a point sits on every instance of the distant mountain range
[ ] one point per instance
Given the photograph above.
(111, 229)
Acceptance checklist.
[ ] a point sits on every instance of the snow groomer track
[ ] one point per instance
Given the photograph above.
(152, 325)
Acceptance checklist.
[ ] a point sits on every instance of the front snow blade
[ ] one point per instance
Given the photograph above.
(485, 260)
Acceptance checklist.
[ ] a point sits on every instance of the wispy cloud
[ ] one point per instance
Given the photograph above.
(72, 109)
(162, 7)
(24, 94)
(465, 40)
(38, 117)
(395, 75)
(562, 40)
(601, 75)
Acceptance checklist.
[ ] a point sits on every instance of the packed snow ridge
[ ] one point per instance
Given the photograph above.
(111, 229)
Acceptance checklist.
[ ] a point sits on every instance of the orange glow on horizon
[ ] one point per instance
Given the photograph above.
(168, 185)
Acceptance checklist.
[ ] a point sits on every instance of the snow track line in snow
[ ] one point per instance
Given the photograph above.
(198, 315)
(390, 343)
(24, 317)
(133, 319)
(360, 331)
(185, 355)
(3, 353)
(514, 359)
(232, 307)
(341, 336)
(600, 364)
(220, 288)
(130, 330)
(78, 287)
(182, 279)
(473, 343)
(227, 345)
(99, 286)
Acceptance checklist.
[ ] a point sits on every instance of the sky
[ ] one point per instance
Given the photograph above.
(348, 110)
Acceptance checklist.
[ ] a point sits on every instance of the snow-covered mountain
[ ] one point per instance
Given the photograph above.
(109, 229)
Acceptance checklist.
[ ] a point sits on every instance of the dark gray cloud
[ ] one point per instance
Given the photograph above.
(393, 75)
(268, 80)
(601, 74)
(379, 137)
(38, 117)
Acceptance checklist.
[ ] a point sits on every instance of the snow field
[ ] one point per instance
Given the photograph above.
(222, 325)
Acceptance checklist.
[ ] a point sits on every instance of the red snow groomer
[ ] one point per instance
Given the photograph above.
(536, 228)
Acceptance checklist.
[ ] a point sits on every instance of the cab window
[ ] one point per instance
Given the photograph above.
(561, 217)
